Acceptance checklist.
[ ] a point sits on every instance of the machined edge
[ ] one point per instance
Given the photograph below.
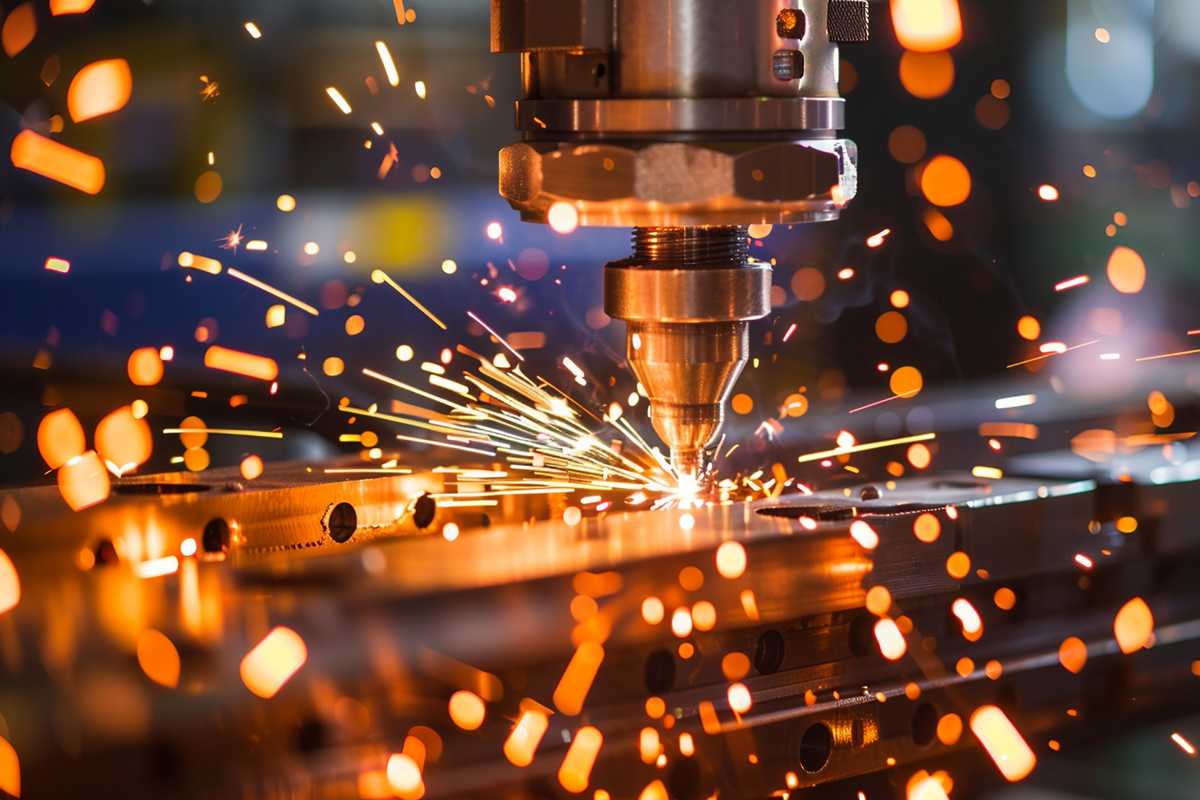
(639, 294)
(657, 115)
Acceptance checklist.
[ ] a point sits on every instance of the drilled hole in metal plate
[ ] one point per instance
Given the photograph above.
(342, 522)
(215, 538)
(424, 511)
(788, 65)
(660, 672)
(816, 746)
(768, 652)
(924, 724)
(160, 488)
(791, 24)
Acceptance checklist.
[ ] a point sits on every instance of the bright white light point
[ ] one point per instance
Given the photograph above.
(256, 245)
(864, 534)
(375, 126)
(449, 266)
(1019, 401)
(389, 66)
(494, 231)
(404, 353)
(1048, 193)
(845, 274)
(253, 30)
(311, 248)
(285, 203)
(739, 698)
(687, 522)
(188, 546)
(338, 99)
(419, 86)
(1103, 36)
(845, 439)
(450, 532)
(350, 257)
(1184, 744)
(563, 218)
(572, 516)
(1053, 347)
(1110, 356)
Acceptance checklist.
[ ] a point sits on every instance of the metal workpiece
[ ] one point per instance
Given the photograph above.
(688, 296)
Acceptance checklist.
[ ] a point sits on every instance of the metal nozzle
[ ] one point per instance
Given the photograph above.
(688, 295)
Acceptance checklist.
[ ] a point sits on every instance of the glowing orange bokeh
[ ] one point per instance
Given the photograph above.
(124, 440)
(946, 182)
(100, 88)
(60, 437)
(20, 26)
(927, 25)
(927, 76)
(58, 162)
(83, 481)
(273, 661)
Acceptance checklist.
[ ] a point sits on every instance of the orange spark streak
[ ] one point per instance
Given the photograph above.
(1003, 743)
(1071, 283)
(256, 283)
(379, 276)
(1169, 355)
(58, 162)
(1052, 355)
(226, 432)
(859, 448)
(248, 364)
(497, 336)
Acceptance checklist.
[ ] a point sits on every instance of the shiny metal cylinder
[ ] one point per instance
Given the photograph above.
(688, 295)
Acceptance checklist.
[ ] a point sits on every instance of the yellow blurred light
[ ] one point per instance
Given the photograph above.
(652, 610)
(739, 698)
(577, 679)
(251, 467)
(649, 745)
(467, 710)
(927, 76)
(60, 437)
(526, 735)
(10, 584)
(879, 600)
(927, 528)
(60, 7)
(235, 361)
(946, 181)
(158, 658)
(1133, 626)
(655, 790)
(101, 87)
(10, 769)
(731, 560)
(1126, 270)
(285, 203)
(124, 440)
(20, 26)
(681, 622)
(890, 639)
(563, 218)
(576, 769)
(919, 456)
(273, 661)
(404, 775)
(58, 162)
(83, 481)
(927, 25)
(1003, 742)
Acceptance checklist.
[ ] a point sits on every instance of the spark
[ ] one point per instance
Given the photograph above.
(791, 329)
(156, 568)
(338, 99)
(1048, 193)
(420, 89)
(58, 265)
(1184, 744)
(57, 162)
(256, 283)
(1071, 283)
(248, 364)
(232, 240)
(368, 471)
(878, 239)
(226, 432)
(1084, 561)
(1051, 355)
(257, 245)
(379, 276)
(1017, 401)
(203, 263)
(495, 335)
(988, 473)
(252, 29)
(1169, 355)
(389, 65)
(860, 448)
